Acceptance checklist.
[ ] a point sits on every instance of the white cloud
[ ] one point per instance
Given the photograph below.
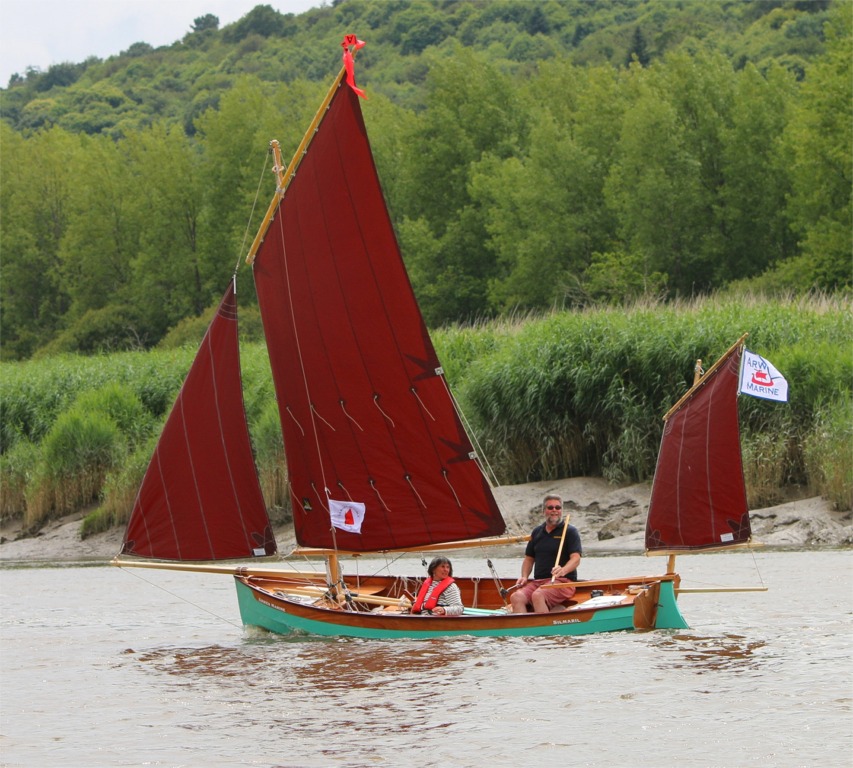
(39, 33)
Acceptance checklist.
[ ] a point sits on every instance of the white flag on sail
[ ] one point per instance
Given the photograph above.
(759, 378)
(347, 515)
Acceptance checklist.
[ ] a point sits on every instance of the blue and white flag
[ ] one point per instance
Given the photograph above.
(759, 378)
(347, 515)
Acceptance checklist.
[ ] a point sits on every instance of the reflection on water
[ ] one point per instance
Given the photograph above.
(142, 679)
(210, 661)
(329, 665)
(365, 663)
(732, 653)
(360, 688)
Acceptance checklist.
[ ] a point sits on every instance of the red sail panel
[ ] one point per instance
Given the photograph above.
(698, 496)
(365, 410)
(200, 498)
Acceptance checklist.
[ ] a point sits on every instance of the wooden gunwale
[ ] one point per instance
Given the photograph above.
(390, 590)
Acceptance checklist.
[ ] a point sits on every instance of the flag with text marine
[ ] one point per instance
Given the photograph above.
(347, 515)
(759, 378)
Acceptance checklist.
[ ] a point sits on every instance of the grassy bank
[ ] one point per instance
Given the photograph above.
(573, 393)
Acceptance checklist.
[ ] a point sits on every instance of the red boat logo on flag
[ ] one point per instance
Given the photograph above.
(346, 515)
(759, 378)
(762, 379)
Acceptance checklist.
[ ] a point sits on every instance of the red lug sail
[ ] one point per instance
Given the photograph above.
(698, 496)
(200, 498)
(365, 410)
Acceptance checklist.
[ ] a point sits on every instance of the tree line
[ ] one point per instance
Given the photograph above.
(561, 185)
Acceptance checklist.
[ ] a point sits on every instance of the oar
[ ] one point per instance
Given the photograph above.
(562, 541)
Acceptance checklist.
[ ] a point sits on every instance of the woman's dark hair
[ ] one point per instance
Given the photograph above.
(436, 561)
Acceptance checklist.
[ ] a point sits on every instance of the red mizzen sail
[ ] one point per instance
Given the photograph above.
(698, 496)
(200, 498)
(365, 410)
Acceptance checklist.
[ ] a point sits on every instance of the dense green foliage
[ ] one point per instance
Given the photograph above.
(572, 393)
(583, 392)
(533, 154)
(832, 437)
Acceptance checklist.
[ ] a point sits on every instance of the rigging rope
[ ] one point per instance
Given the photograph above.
(178, 597)
(722, 587)
(302, 369)
(755, 563)
(482, 460)
(252, 213)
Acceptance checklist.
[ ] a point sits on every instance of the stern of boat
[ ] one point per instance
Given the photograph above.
(665, 611)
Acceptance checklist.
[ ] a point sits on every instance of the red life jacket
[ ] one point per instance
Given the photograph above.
(419, 606)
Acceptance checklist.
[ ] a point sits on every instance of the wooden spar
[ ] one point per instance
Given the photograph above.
(273, 206)
(228, 570)
(334, 569)
(264, 573)
(285, 179)
(641, 581)
(722, 548)
(465, 544)
(560, 549)
(707, 373)
(671, 554)
(308, 591)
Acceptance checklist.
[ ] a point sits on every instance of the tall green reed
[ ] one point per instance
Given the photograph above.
(584, 392)
(272, 469)
(829, 452)
(17, 467)
(566, 394)
(77, 453)
(118, 494)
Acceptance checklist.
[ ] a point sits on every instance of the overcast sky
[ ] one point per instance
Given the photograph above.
(39, 33)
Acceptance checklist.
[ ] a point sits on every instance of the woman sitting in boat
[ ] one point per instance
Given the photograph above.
(438, 595)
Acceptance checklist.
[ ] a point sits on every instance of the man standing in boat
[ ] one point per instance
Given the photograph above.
(553, 554)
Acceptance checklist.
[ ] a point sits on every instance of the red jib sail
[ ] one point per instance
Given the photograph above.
(365, 410)
(200, 498)
(698, 496)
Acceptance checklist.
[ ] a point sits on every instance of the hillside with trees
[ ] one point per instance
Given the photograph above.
(533, 154)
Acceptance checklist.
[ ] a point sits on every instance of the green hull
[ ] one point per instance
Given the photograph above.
(668, 615)
(285, 618)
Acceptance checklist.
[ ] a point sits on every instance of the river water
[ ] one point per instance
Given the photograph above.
(108, 667)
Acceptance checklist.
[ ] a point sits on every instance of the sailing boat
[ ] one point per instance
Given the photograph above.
(378, 459)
